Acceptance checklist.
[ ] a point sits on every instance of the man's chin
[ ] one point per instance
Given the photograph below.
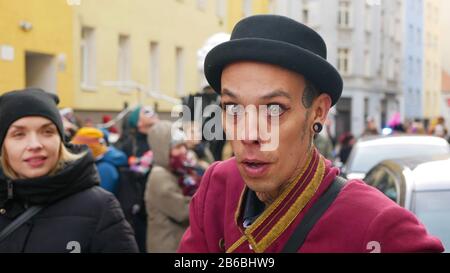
(262, 184)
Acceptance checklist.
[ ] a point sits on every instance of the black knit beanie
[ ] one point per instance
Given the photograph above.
(17, 104)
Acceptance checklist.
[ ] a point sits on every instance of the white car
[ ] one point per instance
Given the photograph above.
(421, 185)
(368, 152)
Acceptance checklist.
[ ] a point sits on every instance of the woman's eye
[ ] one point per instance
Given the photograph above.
(49, 132)
(18, 134)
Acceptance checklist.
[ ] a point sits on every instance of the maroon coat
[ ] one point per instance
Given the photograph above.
(361, 219)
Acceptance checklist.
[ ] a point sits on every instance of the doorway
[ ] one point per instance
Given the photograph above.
(40, 71)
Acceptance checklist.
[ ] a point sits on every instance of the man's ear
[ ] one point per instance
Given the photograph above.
(321, 107)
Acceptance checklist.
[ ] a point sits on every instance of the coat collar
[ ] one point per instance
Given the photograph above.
(284, 210)
(74, 177)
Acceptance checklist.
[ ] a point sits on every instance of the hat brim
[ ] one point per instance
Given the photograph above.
(313, 67)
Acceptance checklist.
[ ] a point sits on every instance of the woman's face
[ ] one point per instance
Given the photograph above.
(179, 150)
(31, 147)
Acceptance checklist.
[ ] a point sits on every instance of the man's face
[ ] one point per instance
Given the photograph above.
(258, 84)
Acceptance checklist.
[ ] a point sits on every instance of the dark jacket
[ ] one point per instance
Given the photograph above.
(78, 216)
(133, 143)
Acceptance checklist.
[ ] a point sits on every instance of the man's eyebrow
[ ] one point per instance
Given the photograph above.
(276, 93)
(226, 92)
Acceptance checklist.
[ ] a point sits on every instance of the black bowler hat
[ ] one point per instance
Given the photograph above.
(280, 41)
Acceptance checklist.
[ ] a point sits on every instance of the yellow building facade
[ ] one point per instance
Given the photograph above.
(238, 9)
(36, 47)
(147, 45)
(432, 59)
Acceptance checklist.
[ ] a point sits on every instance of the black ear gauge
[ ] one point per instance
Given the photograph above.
(317, 127)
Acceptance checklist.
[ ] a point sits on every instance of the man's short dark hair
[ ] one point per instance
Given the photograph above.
(310, 93)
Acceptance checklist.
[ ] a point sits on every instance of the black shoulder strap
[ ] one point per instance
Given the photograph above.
(30, 212)
(313, 215)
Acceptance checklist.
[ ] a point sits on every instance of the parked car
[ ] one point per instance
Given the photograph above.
(421, 185)
(368, 152)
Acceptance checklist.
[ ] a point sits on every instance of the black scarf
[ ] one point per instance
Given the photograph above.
(73, 178)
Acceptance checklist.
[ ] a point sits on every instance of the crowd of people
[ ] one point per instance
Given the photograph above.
(337, 149)
(67, 185)
(151, 170)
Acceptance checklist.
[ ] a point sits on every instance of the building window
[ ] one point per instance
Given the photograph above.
(419, 36)
(201, 4)
(154, 67)
(124, 61)
(220, 9)
(368, 19)
(179, 55)
(344, 16)
(88, 56)
(411, 33)
(419, 67)
(305, 15)
(367, 64)
(366, 108)
(391, 68)
(247, 8)
(343, 62)
(418, 100)
(410, 65)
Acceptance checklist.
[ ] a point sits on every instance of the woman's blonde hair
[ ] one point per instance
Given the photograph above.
(64, 157)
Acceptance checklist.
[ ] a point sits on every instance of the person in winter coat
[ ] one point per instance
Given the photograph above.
(107, 159)
(169, 189)
(39, 170)
(279, 194)
(133, 141)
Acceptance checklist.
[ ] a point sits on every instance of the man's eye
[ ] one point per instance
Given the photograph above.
(233, 109)
(274, 110)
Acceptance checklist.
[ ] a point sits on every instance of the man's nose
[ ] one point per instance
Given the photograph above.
(249, 132)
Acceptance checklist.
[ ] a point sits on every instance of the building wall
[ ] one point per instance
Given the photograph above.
(236, 10)
(446, 97)
(445, 38)
(372, 39)
(413, 49)
(53, 37)
(432, 59)
(177, 23)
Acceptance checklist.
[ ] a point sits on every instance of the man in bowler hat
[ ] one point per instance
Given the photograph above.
(289, 199)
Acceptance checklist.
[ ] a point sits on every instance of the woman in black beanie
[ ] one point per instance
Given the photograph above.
(49, 195)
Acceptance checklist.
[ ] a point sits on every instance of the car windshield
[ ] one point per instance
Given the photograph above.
(433, 210)
(368, 156)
